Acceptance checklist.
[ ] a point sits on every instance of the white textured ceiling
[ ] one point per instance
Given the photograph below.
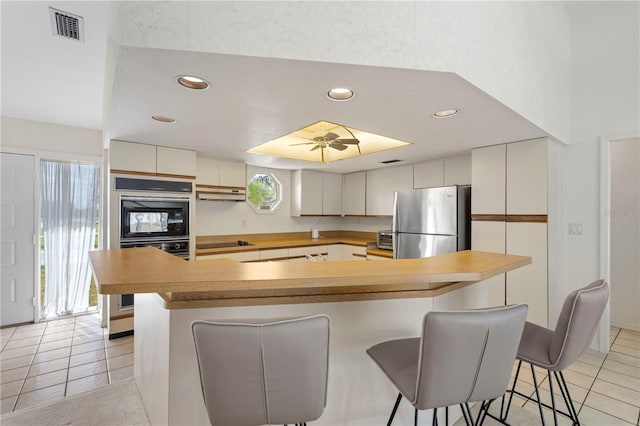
(49, 78)
(252, 100)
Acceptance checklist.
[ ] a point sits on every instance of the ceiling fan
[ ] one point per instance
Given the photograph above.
(332, 140)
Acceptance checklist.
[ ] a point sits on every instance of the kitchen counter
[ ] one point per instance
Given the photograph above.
(281, 240)
(226, 283)
(368, 302)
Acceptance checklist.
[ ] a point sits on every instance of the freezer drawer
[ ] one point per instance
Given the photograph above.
(414, 246)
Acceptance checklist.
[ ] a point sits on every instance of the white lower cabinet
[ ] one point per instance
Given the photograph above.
(349, 252)
(529, 283)
(299, 254)
(245, 256)
(334, 252)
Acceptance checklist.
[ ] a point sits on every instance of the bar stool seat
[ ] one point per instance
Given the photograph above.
(554, 350)
(256, 372)
(461, 357)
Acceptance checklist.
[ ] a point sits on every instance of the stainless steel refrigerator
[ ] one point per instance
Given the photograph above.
(431, 221)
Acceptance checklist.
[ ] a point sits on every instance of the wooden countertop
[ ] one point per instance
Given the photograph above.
(185, 284)
(287, 242)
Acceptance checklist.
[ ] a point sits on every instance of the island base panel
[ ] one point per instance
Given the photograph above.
(165, 365)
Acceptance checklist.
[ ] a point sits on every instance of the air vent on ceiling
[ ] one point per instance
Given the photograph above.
(67, 25)
(390, 161)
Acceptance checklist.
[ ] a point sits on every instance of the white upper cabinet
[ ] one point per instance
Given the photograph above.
(354, 194)
(132, 157)
(382, 185)
(332, 194)
(527, 177)
(176, 162)
(137, 158)
(214, 172)
(233, 174)
(488, 177)
(428, 174)
(457, 170)
(315, 193)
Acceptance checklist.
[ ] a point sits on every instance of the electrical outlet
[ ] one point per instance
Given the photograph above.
(576, 229)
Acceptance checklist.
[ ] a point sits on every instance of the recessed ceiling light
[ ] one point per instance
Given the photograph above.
(340, 94)
(163, 118)
(193, 82)
(445, 113)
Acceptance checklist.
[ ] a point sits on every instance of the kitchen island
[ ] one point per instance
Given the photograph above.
(368, 302)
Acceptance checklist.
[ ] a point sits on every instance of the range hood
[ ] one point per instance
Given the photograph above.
(220, 193)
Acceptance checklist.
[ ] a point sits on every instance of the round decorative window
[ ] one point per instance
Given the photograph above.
(264, 192)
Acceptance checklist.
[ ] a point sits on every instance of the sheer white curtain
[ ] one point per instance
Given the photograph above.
(69, 195)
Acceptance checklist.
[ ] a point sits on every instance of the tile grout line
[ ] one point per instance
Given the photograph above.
(66, 382)
(33, 356)
(594, 380)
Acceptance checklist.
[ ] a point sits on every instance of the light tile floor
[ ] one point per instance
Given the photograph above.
(49, 360)
(605, 389)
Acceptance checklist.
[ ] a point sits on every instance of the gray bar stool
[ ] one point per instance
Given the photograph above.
(556, 350)
(256, 372)
(462, 357)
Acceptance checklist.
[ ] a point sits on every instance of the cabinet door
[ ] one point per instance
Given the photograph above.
(529, 283)
(382, 185)
(354, 193)
(132, 157)
(176, 162)
(457, 170)
(311, 195)
(332, 194)
(488, 178)
(233, 174)
(207, 171)
(428, 174)
(527, 177)
(490, 236)
(306, 193)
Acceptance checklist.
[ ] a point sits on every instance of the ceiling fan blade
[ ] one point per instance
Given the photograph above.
(314, 148)
(338, 146)
(303, 143)
(348, 141)
(331, 136)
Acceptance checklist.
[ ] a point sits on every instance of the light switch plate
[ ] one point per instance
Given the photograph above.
(576, 229)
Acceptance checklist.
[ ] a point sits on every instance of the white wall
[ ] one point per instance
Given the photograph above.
(36, 136)
(605, 102)
(224, 217)
(518, 52)
(625, 233)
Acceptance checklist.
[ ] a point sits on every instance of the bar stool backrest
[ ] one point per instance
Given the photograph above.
(467, 356)
(577, 323)
(256, 372)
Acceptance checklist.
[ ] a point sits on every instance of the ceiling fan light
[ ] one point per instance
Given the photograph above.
(446, 113)
(340, 94)
(193, 82)
(163, 119)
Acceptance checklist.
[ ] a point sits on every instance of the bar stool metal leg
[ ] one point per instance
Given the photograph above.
(535, 384)
(395, 408)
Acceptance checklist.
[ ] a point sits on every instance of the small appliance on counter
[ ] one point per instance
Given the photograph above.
(431, 221)
(385, 239)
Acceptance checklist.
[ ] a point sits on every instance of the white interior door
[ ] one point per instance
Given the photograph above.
(17, 253)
